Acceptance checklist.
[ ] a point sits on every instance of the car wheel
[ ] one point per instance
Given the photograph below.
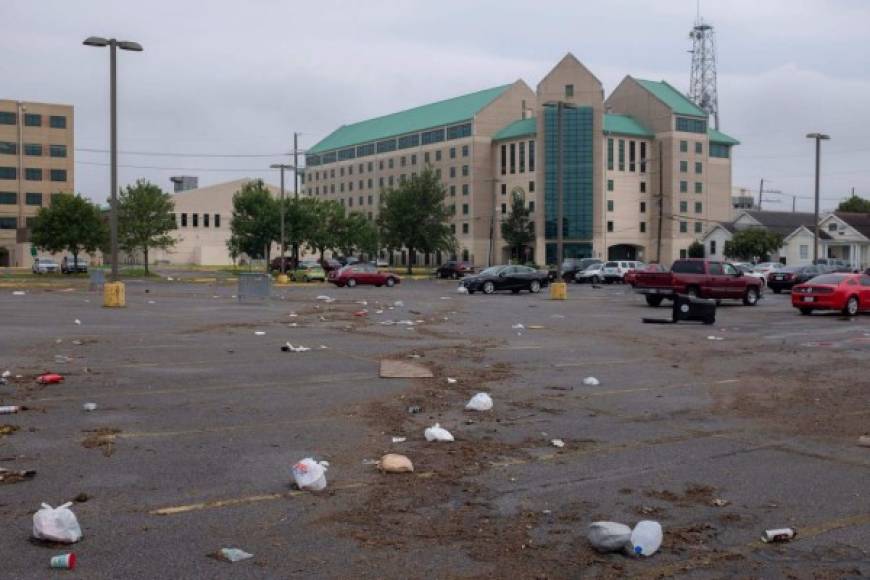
(596, 279)
(653, 300)
(488, 287)
(351, 283)
(535, 287)
(851, 308)
(751, 297)
(390, 282)
(806, 311)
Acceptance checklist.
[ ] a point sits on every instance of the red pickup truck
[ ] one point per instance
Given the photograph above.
(699, 278)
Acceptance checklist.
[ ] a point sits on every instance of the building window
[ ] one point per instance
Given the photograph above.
(390, 181)
(698, 167)
(569, 91)
(390, 163)
(7, 118)
(504, 188)
(610, 154)
(531, 155)
(684, 227)
(691, 125)
(8, 148)
(453, 228)
(719, 150)
(438, 173)
(433, 136)
(699, 207)
(195, 220)
(631, 156)
(57, 150)
(438, 155)
(459, 131)
(804, 251)
(217, 220)
(8, 223)
(643, 207)
(684, 186)
(699, 148)
(504, 159)
(699, 187)
(32, 174)
(371, 166)
(712, 247)
(643, 157)
(452, 172)
(643, 186)
(402, 161)
(453, 153)
(503, 208)
(350, 185)
(8, 173)
(184, 220)
(381, 182)
(370, 183)
(684, 166)
(531, 187)
(642, 227)
(622, 154)
(522, 156)
(57, 122)
(32, 120)
(609, 185)
(609, 226)
(465, 150)
(414, 159)
(341, 187)
(370, 200)
(465, 170)
(513, 158)
(684, 207)
(205, 217)
(426, 157)
(698, 227)
(452, 191)
(464, 189)
(683, 254)
(684, 146)
(33, 198)
(531, 206)
(33, 149)
(609, 205)
(8, 198)
(465, 230)
(464, 209)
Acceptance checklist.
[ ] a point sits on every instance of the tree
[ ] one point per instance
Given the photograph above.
(355, 233)
(855, 204)
(753, 243)
(326, 217)
(518, 230)
(299, 220)
(71, 224)
(696, 250)
(255, 224)
(145, 218)
(413, 216)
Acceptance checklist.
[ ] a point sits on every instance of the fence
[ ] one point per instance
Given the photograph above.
(254, 286)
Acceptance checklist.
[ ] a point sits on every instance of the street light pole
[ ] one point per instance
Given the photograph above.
(819, 137)
(282, 167)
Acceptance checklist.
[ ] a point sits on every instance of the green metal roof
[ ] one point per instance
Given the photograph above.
(673, 98)
(720, 137)
(446, 112)
(625, 125)
(517, 128)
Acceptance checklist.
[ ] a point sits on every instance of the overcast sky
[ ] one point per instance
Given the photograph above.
(237, 78)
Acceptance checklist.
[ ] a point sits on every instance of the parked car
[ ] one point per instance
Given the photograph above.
(45, 266)
(593, 273)
(454, 269)
(71, 265)
(766, 268)
(749, 270)
(362, 273)
(513, 278)
(307, 272)
(615, 271)
(330, 264)
(348, 260)
(786, 278)
(699, 278)
(570, 267)
(275, 264)
(848, 293)
(631, 275)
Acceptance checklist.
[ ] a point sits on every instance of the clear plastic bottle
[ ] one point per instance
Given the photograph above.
(646, 538)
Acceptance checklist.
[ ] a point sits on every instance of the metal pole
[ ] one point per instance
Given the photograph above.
(760, 193)
(816, 218)
(283, 266)
(113, 213)
(559, 216)
(21, 110)
(661, 205)
(491, 225)
(295, 186)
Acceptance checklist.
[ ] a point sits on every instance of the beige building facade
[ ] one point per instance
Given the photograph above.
(640, 174)
(37, 157)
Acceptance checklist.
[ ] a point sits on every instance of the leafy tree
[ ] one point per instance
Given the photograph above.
(518, 230)
(299, 220)
(413, 216)
(855, 204)
(326, 217)
(753, 243)
(356, 233)
(255, 224)
(145, 218)
(696, 250)
(71, 224)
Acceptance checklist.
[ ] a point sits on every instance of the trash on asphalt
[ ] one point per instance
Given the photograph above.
(437, 433)
(399, 369)
(719, 502)
(398, 303)
(451, 381)
(414, 409)
(711, 337)
(479, 402)
(290, 348)
(9, 409)
(260, 332)
(56, 524)
(8, 429)
(591, 381)
(89, 407)
(18, 293)
(78, 322)
(16, 475)
(361, 313)
(62, 359)
(557, 443)
(49, 379)
(395, 463)
(310, 475)
(864, 440)
(326, 299)
(399, 439)
(63, 562)
(462, 290)
(518, 326)
(232, 555)
(6, 374)
(646, 538)
(609, 536)
(778, 535)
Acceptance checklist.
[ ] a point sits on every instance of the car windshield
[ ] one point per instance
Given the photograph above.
(611, 265)
(593, 267)
(832, 279)
(493, 271)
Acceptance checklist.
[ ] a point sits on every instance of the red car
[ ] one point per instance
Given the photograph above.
(631, 276)
(360, 273)
(849, 293)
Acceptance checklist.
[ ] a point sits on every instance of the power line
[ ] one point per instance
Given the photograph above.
(227, 170)
(164, 154)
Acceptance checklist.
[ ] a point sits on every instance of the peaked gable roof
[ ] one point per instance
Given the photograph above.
(859, 221)
(625, 125)
(782, 222)
(446, 112)
(672, 98)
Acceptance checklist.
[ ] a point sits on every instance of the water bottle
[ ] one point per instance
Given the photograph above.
(646, 538)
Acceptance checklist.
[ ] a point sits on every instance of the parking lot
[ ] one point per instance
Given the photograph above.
(717, 432)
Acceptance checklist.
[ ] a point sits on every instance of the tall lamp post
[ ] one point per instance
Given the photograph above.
(282, 166)
(113, 45)
(819, 137)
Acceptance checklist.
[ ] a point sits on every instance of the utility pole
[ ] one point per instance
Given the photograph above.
(819, 137)
(661, 205)
(295, 185)
(760, 194)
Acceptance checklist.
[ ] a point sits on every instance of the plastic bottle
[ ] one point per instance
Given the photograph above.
(646, 538)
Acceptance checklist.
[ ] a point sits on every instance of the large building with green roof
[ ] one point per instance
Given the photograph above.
(636, 175)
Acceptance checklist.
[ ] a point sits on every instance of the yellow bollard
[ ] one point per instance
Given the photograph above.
(114, 295)
(282, 279)
(558, 291)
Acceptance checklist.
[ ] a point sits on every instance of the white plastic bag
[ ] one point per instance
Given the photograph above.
(609, 536)
(56, 524)
(480, 402)
(591, 381)
(437, 433)
(310, 474)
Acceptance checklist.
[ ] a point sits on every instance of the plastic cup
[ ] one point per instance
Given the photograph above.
(64, 561)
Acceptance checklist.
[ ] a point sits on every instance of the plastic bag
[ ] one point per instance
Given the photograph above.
(609, 536)
(437, 433)
(56, 524)
(395, 463)
(591, 381)
(310, 474)
(480, 402)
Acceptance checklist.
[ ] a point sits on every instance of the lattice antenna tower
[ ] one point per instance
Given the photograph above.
(702, 81)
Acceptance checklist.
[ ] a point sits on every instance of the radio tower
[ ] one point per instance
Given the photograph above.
(702, 82)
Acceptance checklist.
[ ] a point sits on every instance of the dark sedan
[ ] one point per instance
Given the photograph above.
(513, 278)
(454, 269)
(786, 278)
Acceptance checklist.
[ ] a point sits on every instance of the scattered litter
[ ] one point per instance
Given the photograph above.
(327, 299)
(778, 535)
(19, 293)
(518, 326)
(293, 325)
(64, 562)
(399, 439)
(81, 498)
(479, 402)
(49, 379)
(591, 382)
(395, 463)
(557, 443)
(89, 407)
(290, 348)
(646, 538)
(6, 374)
(398, 303)
(437, 433)
(719, 502)
(380, 311)
(462, 290)
(536, 327)
(9, 409)
(445, 298)
(78, 322)
(414, 356)
(557, 316)
(8, 429)
(323, 347)
(231, 555)
(292, 315)
(414, 409)
(16, 475)
(711, 337)
(609, 536)
(56, 524)
(62, 359)
(363, 302)
(77, 342)
(151, 302)
(451, 381)
(310, 475)
(399, 369)
(864, 440)
(103, 438)
(170, 278)
(260, 332)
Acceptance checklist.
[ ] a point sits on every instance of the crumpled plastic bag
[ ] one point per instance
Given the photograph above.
(609, 536)
(310, 475)
(233, 555)
(479, 402)
(56, 524)
(591, 381)
(395, 463)
(437, 433)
